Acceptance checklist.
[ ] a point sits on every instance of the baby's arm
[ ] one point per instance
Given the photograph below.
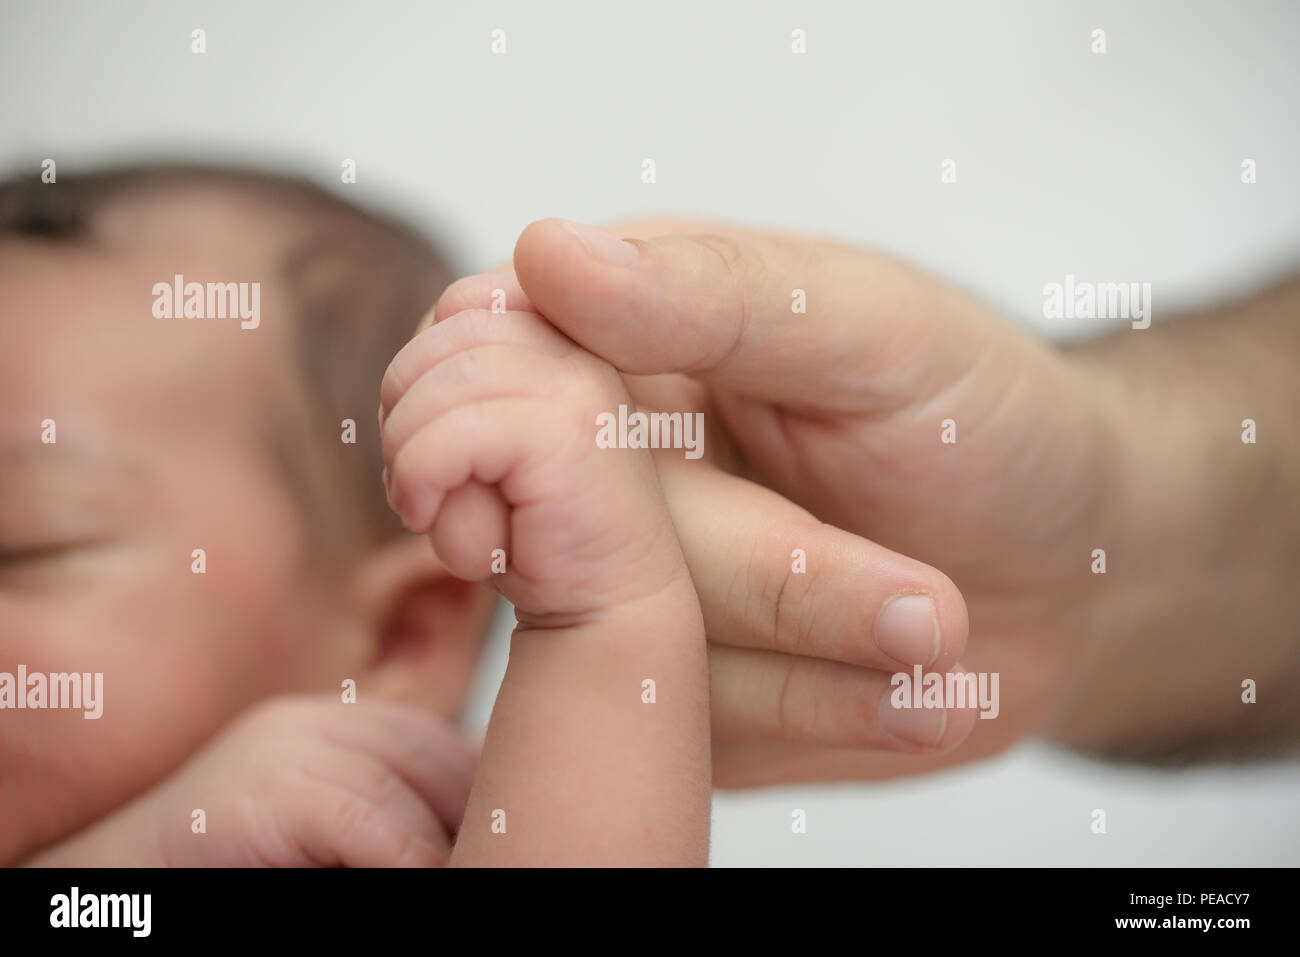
(585, 772)
(598, 747)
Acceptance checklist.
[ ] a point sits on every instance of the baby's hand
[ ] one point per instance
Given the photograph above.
(296, 782)
(310, 781)
(598, 747)
(490, 439)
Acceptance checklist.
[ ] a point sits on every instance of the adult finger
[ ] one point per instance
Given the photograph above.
(766, 696)
(770, 576)
(746, 764)
(805, 323)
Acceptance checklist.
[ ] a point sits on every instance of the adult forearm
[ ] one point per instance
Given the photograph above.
(1203, 549)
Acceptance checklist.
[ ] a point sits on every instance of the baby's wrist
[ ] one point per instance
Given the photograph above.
(671, 600)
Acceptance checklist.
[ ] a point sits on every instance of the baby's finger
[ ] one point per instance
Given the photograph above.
(472, 533)
(764, 695)
(373, 820)
(473, 327)
(420, 748)
(472, 374)
(496, 291)
(770, 576)
(458, 446)
(550, 443)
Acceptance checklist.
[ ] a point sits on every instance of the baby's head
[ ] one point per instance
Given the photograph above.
(129, 442)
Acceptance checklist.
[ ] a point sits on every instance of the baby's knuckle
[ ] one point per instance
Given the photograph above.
(454, 299)
(464, 368)
(481, 326)
(449, 334)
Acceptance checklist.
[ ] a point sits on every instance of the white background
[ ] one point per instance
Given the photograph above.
(1119, 167)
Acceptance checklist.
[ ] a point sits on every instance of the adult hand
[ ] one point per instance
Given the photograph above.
(844, 408)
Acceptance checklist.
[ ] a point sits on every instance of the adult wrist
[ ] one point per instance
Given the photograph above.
(1202, 552)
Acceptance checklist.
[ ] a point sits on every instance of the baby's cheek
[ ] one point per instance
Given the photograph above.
(150, 710)
(251, 586)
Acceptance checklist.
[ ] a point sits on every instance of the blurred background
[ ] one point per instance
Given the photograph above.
(1117, 166)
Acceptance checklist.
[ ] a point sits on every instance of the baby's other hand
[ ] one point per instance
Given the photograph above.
(310, 781)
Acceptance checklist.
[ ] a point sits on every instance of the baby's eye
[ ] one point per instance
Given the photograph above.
(30, 554)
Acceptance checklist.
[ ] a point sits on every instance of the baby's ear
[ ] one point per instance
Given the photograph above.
(427, 627)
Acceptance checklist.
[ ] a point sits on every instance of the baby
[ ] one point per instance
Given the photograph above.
(190, 511)
(489, 435)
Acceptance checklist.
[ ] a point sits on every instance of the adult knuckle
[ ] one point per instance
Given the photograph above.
(731, 255)
(746, 270)
(787, 597)
(794, 719)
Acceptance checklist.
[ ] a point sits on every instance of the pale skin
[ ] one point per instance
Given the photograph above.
(1130, 444)
(221, 690)
(597, 752)
(295, 781)
(283, 776)
(96, 535)
(796, 674)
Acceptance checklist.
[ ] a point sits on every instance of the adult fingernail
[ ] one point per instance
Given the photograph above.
(923, 726)
(907, 629)
(602, 246)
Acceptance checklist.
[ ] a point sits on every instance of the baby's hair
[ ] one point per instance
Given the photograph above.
(358, 283)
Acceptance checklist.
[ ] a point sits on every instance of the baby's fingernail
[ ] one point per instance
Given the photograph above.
(907, 629)
(602, 246)
(416, 508)
(388, 487)
(915, 725)
(381, 415)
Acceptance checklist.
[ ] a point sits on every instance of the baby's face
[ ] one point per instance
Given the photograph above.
(164, 442)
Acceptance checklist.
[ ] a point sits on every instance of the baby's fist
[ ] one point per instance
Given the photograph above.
(489, 436)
